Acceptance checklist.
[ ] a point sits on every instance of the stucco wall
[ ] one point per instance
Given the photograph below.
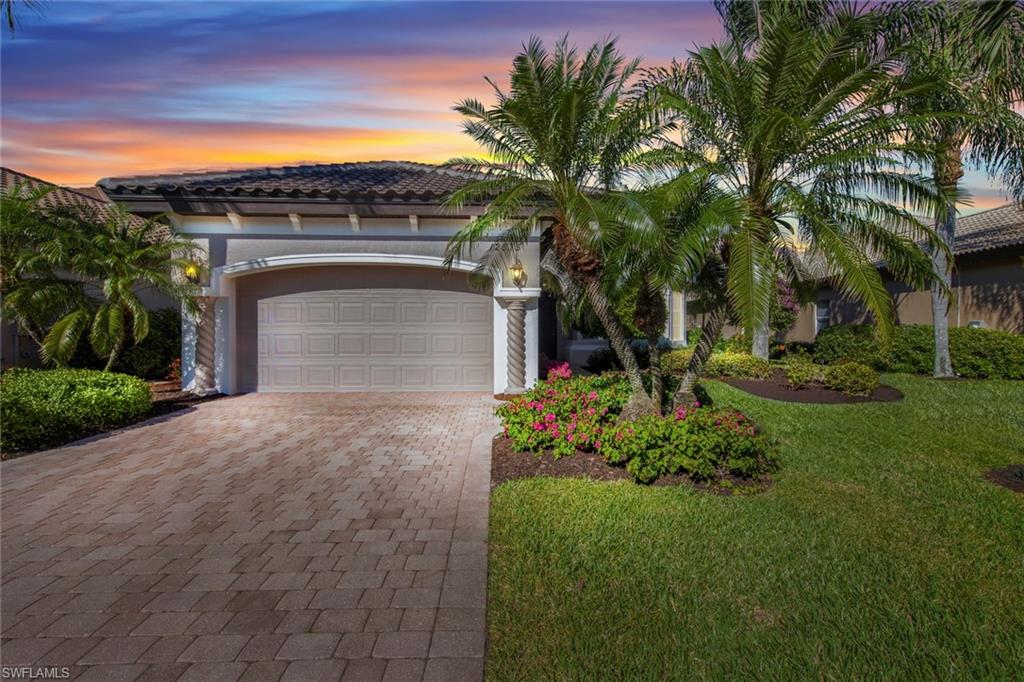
(988, 287)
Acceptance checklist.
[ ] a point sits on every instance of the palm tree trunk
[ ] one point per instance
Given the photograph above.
(709, 331)
(114, 352)
(657, 378)
(948, 171)
(760, 342)
(639, 402)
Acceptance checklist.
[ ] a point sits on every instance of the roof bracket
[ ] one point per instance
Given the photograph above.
(296, 221)
(236, 220)
(354, 219)
(414, 223)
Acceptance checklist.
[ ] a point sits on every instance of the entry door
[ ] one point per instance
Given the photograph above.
(375, 340)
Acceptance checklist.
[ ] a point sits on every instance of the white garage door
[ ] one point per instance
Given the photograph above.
(375, 340)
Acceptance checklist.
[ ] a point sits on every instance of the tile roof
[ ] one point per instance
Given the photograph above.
(380, 180)
(991, 229)
(60, 196)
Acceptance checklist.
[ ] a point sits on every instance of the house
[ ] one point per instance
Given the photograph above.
(332, 278)
(16, 348)
(987, 282)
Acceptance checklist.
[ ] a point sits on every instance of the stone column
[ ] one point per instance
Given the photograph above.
(206, 375)
(516, 346)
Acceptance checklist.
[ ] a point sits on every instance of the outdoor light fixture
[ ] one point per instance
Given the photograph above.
(518, 274)
(192, 273)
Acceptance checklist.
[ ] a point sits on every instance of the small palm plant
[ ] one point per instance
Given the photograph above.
(568, 129)
(801, 127)
(119, 257)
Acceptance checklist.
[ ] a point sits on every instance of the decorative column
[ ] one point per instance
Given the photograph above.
(206, 376)
(516, 323)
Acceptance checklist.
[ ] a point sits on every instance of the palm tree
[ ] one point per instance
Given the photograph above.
(652, 248)
(33, 240)
(801, 127)
(11, 14)
(973, 53)
(120, 257)
(568, 129)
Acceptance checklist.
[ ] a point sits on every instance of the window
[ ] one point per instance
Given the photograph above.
(821, 316)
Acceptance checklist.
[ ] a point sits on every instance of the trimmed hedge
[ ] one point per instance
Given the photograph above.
(52, 406)
(976, 353)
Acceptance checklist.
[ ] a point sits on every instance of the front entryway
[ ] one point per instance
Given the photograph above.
(375, 339)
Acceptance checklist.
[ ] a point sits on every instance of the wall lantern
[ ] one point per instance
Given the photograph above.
(192, 273)
(518, 274)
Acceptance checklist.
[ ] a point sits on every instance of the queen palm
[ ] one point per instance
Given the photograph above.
(973, 53)
(119, 257)
(801, 128)
(568, 128)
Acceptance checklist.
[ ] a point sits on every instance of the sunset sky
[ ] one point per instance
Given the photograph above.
(115, 88)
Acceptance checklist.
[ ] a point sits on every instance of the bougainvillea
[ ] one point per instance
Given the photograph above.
(563, 415)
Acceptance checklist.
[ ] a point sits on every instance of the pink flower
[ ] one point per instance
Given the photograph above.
(549, 417)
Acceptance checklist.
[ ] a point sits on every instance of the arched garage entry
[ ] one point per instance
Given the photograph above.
(361, 327)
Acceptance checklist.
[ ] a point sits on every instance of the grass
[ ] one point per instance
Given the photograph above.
(880, 553)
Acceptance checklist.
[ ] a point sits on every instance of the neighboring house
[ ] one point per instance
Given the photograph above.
(331, 278)
(16, 348)
(987, 283)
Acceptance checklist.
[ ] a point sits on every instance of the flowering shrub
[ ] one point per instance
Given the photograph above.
(559, 370)
(564, 414)
(705, 443)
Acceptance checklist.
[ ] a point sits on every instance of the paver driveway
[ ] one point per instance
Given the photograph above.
(260, 537)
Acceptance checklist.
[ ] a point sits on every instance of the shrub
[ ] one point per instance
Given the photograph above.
(739, 365)
(707, 444)
(676, 360)
(45, 407)
(852, 378)
(564, 415)
(975, 353)
(800, 371)
(851, 342)
(985, 353)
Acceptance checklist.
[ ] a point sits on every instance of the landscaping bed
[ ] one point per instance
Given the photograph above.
(777, 387)
(573, 426)
(508, 464)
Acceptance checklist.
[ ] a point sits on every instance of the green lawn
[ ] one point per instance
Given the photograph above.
(880, 553)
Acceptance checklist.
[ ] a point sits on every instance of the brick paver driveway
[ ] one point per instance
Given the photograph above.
(258, 537)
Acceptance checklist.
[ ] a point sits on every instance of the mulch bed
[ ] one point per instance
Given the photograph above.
(1011, 477)
(777, 388)
(508, 465)
(168, 397)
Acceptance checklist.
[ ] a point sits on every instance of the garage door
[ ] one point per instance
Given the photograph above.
(375, 340)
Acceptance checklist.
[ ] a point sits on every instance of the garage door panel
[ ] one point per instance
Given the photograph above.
(320, 312)
(319, 344)
(352, 344)
(380, 339)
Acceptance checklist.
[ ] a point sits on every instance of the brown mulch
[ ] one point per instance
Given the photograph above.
(776, 388)
(1011, 477)
(509, 465)
(168, 397)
